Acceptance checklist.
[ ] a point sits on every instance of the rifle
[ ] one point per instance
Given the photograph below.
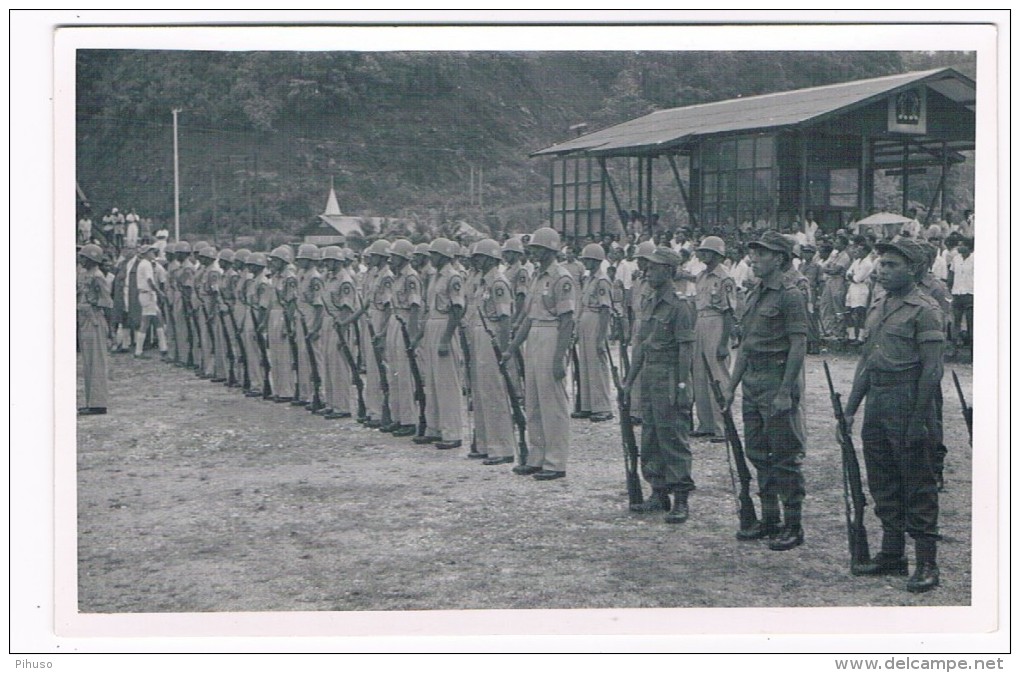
(384, 382)
(242, 356)
(188, 319)
(968, 412)
(853, 491)
(231, 378)
(264, 352)
(345, 350)
(748, 517)
(419, 384)
(576, 362)
(168, 311)
(515, 400)
(313, 364)
(467, 384)
(288, 323)
(630, 446)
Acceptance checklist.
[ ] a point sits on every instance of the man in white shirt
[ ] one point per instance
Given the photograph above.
(962, 283)
(148, 298)
(810, 229)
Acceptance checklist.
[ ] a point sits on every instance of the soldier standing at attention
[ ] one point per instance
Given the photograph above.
(444, 414)
(405, 304)
(93, 302)
(639, 289)
(663, 348)
(547, 328)
(377, 283)
(494, 430)
(899, 371)
(593, 316)
(517, 275)
(205, 280)
(424, 267)
(715, 299)
(253, 298)
(227, 298)
(308, 320)
(187, 322)
(769, 365)
(275, 305)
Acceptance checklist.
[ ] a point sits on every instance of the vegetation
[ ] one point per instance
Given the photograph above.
(403, 135)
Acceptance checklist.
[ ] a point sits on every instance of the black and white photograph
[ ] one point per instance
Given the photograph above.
(664, 332)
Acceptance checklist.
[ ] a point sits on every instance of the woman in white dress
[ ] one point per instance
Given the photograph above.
(858, 292)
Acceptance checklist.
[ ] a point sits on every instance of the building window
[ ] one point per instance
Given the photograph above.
(737, 181)
(577, 198)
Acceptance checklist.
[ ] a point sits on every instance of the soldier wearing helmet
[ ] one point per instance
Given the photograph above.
(639, 289)
(405, 304)
(93, 303)
(444, 414)
(662, 357)
(206, 279)
(170, 316)
(516, 274)
(278, 307)
(423, 265)
(494, 430)
(715, 300)
(185, 309)
(227, 307)
(547, 328)
(308, 322)
(340, 302)
(252, 290)
(377, 288)
(593, 317)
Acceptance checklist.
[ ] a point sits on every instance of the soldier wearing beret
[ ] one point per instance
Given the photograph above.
(899, 370)
(663, 349)
(769, 365)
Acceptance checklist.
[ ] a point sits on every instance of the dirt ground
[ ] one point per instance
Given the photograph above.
(193, 498)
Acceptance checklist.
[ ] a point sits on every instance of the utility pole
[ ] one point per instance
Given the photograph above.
(177, 183)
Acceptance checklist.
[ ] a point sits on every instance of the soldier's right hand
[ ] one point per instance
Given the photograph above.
(559, 371)
(727, 398)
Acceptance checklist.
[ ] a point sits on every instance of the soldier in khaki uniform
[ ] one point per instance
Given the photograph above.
(277, 305)
(662, 351)
(899, 370)
(308, 322)
(517, 275)
(405, 306)
(547, 328)
(215, 356)
(253, 330)
(444, 412)
(715, 297)
(769, 365)
(593, 316)
(376, 288)
(93, 301)
(493, 299)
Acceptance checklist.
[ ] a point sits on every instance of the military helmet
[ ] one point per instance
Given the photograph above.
(226, 255)
(257, 259)
(489, 248)
(713, 244)
(241, 256)
(644, 249)
(201, 244)
(283, 253)
(169, 248)
(422, 249)
(184, 246)
(513, 244)
(402, 248)
(308, 251)
(546, 237)
(593, 251)
(379, 247)
(334, 252)
(209, 252)
(93, 252)
(444, 247)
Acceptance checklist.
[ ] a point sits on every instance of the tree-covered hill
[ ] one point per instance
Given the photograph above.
(400, 133)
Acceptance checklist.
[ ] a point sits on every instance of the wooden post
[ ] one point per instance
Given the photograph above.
(649, 198)
(683, 190)
(607, 180)
(862, 180)
(803, 177)
(906, 179)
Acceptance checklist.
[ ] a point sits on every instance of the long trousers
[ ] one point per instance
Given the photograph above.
(494, 428)
(92, 336)
(666, 459)
(444, 411)
(548, 408)
(708, 336)
(593, 365)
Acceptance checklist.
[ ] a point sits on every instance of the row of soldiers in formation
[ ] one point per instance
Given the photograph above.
(420, 327)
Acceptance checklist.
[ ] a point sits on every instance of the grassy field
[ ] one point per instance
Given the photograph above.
(192, 498)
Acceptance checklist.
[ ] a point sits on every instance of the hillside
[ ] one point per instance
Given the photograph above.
(261, 134)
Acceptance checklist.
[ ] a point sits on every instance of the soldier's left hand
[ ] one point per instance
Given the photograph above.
(559, 371)
(444, 349)
(781, 403)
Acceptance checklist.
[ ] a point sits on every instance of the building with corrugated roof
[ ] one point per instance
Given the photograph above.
(768, 160)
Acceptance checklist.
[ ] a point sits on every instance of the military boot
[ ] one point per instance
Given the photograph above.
(679, 513)
(926, 574)
(890, 561)
(768, 527)
(792, 534)
(658, 501)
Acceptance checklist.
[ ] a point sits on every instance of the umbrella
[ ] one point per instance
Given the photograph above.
(886, 224)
